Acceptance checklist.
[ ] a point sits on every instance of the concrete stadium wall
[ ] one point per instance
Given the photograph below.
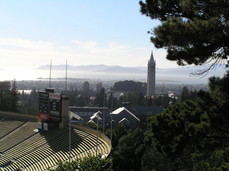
(19, 115)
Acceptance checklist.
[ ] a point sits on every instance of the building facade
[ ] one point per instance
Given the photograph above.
(151, 73)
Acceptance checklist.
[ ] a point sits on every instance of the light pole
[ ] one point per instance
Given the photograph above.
(111, 130)
(111, 118)
(104, 101)
(97, 141)
(70, 138)
(111, 122)
(70, 129)
(96, 115)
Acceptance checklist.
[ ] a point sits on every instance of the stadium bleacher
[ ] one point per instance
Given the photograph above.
(22, 147)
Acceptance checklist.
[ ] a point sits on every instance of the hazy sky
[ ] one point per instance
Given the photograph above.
(85, 32)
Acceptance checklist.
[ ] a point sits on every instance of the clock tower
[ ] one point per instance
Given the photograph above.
(151, 77)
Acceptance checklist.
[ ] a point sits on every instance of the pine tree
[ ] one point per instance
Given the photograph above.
(193, 32)
(14, 97)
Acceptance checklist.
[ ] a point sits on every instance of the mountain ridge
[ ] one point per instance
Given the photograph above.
(120, 69)
(94, 68)
(182, 74)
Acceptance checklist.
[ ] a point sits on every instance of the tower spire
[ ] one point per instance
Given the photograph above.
(151, 57)
(151, 76)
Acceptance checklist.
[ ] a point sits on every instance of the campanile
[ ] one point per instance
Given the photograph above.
(151, 77)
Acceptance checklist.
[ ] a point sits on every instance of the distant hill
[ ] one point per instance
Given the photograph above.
(181, 74)
(96, 68)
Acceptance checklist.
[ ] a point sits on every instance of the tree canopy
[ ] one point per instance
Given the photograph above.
(194, 135)
(129, 85)
(192, 31)
(8, 96)
(90, 163)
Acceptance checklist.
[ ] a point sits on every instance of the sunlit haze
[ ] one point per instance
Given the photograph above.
(83, 32)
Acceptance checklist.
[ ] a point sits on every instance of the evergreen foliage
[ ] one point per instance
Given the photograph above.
(129, 86)
(187, 94)
(194, 135)
(14, 97)
(192, 31)
(129, 151)
(68, 166)
(91, 163)
(8, 96)
(100, 99)
(29, 102)
(94, 163)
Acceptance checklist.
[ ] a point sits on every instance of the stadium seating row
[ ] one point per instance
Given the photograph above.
(22, 148)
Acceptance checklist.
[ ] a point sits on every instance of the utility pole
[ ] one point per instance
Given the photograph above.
(66, 76)
(50, 74)
(104, 103)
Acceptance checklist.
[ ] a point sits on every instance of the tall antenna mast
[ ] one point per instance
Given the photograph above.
(50, 74)
(66, 76)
